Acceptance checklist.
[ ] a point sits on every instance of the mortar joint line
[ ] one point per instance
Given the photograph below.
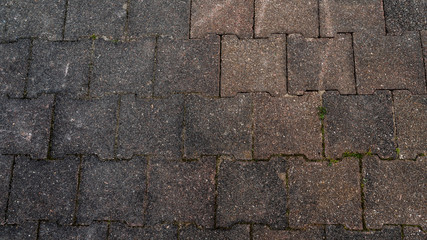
(76, 200)
(29, 62)
(12, 168)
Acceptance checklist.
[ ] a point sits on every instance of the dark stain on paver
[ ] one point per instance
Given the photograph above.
(5, 178)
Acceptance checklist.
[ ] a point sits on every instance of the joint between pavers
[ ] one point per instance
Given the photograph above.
(52, 124)
(189, 19)
(156, 50)
(6, 210)
(126, 27)
(184, 126)
(220, 66)
(38, 229)
(356, 83)
(362, 193)
(393, 111)
(91, 64)
(29, 60)
(76, 200)
(65, 19)
(116, 135)
(217, 167)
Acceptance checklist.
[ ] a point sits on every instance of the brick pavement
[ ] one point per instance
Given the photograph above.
(213, 119)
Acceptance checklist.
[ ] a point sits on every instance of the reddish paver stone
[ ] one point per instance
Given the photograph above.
(222, 17)
(5, 174)
(123, 232)
(13, 67)
(290, 16)
(395, 192)
(25, 125)
(237, 232)
(53, 231)
(265, 233)
(387, 233)
(389, 62)
(414, 233)
(181, 191)
(320, 64)
(320, 193)
(403, 16)
(188, 66)
(112, 190)
(250, 65)
(281, 129)
(411, 123)
(359, 123)
(26, 231)
(351, 16)
(252, 192)
(218, 126)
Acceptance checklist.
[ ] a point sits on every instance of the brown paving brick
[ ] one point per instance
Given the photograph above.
(237, 232)
(5, 174)
(250, 65)
(218, 126)
(389, 62)
(122, 232)
(414, 233)
(290, 16)
(52, 231)
(320, 64)
(252, 192)
(387, 233)
(359, 123)
(181, 191)
(350, 16)
(395, 192)
(411, 123)
(265, 233)
(320, 193)
(222, 17)
(403, 16)
(287, 125)
(151, 126)
(188, 66)
(26, 231)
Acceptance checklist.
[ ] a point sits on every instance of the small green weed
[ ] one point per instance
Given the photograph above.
(321, 112)
(398, 151)
(93, 37)
(352, 154)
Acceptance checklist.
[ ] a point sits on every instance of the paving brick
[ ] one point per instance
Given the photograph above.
(123, 67)
(292, 16)
(222, 17)
(188, 66)
(252, 192)
(265, 233)
(411, 123)
(405, 15)
(85, 127)
(160, 17)
(238, 232)
(218, 126)
(395, 192)
(387, 233)
(13, 67)
(52, 231)
(151, 126)
(43, 189)
(359, 123)
(250, 65)
(321, 64)
(121, 232)
(424, 43)
(389, 62)
(27, 231)
(59, 67)
(414, 233)
(112, 190)
(25, 126)
(320, 193)
(281, 129)
(5, 171)
(350, 16)
(101, 17)
(182, 191)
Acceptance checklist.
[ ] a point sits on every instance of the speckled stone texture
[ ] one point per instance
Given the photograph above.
(414, 233)
(359, 123)
(424, 44)
(320, 64)
(25, 125)
(252, 192)
(52, 231)
(389, 62)
(43, 189)
(265, 233)
(280, 129)
(395, 192)
(5, 177)
(403, 16)
(237, 232)
(222, 17)
(182, 191)
(290, 16)
(218, 126)
(120, 189)
(250, 65)
(387, 233)
(188, 66)
(27, 231)
(321, 193)
(122, 232)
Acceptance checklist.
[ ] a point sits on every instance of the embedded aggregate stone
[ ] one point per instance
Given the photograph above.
(5, 174)
(237, 232)
(161, 231)
(43, 189)
(403, 16)
(414, 233)
(26, 231)
(334, 232)
(13, 67)
(53, 231)
(265, 233)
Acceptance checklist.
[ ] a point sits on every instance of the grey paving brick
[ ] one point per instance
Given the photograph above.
(389, 62)
(252, 192)
(5, 174)
(280, 129)
(188, 66)
(112, 190)
(85, 126)
(25, 125)
(320, 193)
(151, 126)
(292, 16)
(59, 67)
(123, 232)
(250, 65)
(218, 126)
(43, 189)
(321, 64)
(13, 67)
(237, 232)
(414, 233)
(387, 233)
(123, 67)
(26, 231)
(405, 15)
(100, 17)
(395, 192)
(359, 123)
(222, 17)
(52, 231)
(182, 191)
(265, 233)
